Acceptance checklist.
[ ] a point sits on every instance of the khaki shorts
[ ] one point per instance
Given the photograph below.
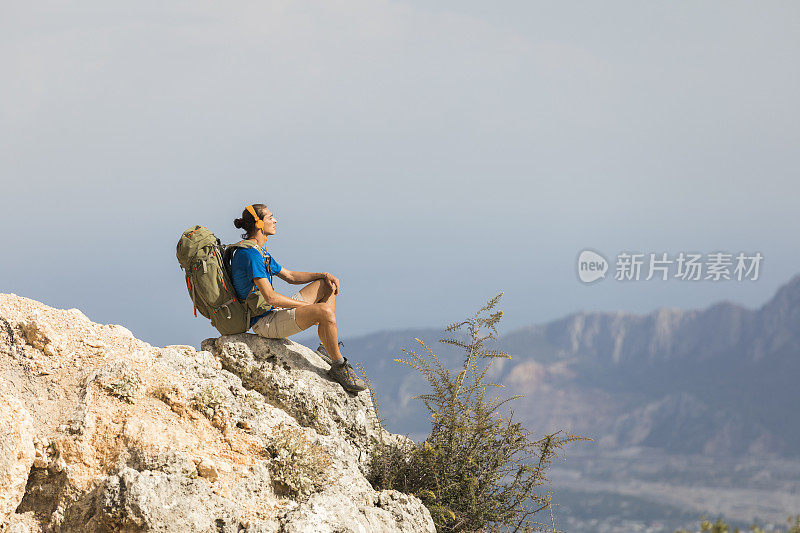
(278, 323)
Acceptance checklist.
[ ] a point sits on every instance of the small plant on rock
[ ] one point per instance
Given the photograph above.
(254, 401)
(297, 464)
(209, 400)
(125, 387)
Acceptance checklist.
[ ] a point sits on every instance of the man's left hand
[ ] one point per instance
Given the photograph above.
(333, 281)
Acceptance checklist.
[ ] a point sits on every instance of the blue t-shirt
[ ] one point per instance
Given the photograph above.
(247, 264)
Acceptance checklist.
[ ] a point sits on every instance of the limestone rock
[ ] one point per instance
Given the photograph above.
(39, 334)
(16, 453)
(207, 469)
(331, 512)
(294, 379)
(247, 434)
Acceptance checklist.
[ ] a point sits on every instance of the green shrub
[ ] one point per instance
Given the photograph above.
(476, 471)
(720, 526)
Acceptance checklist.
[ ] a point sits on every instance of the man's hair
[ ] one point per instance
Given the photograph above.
(247, 222)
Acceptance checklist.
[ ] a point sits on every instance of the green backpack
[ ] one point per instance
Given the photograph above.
(206, 263)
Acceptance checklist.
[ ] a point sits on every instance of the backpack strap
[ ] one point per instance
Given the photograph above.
(227, 257)
(228, 254)
(249, 244)
(192, 294)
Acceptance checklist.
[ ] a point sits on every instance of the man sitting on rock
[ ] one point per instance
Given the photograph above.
(315, 303)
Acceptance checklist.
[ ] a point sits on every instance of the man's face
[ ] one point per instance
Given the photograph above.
(269, 222)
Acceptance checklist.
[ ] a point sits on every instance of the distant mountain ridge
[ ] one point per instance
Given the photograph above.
(721, 380)
(668, 334)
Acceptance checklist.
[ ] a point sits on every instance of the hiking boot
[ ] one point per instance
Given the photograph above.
(347, 377)
(323, 353)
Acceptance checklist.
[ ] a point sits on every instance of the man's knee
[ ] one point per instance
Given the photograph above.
(327, 312)
(322, 312)
(318, 313)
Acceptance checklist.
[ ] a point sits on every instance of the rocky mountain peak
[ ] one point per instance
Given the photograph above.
(105, 432)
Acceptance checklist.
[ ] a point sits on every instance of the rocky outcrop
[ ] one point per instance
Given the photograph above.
(105, 432)
(16, 453)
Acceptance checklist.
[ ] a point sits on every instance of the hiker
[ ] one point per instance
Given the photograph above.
(252, 268)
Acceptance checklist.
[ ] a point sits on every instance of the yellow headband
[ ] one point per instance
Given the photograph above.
(259, 222)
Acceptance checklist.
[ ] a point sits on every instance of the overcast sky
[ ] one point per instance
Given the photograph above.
(429, 154)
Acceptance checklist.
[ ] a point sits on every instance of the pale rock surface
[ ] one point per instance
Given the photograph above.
(39, 334)
(124, 436)
(16, 453)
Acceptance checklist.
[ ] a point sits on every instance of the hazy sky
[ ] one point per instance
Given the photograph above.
(429, 154)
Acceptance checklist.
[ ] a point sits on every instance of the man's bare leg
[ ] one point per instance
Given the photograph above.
(321, 312)
(319, 291)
